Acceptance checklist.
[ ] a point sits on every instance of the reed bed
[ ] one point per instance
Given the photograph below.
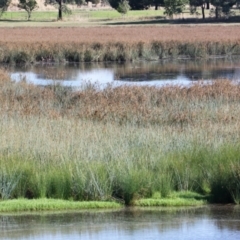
(120, 143)
(26, 53)
(99, 44)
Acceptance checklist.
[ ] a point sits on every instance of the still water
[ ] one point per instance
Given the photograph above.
(181, 72)
(210, 223)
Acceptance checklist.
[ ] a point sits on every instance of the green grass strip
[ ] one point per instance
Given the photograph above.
(166, 202)
(18, 205)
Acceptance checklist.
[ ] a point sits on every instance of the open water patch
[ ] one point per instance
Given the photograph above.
(209, 222)
(157, 73)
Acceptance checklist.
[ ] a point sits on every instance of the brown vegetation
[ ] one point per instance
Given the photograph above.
(170, 105)
(183, 33)
(27, 45)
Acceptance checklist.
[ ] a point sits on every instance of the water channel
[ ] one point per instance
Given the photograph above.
(181, 72)
(208, 222)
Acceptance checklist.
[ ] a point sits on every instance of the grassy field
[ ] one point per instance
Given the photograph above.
(108, 17)
(78, 17)
(123, 144)
(111, 14)
(22, 15)
(88, 15)
(102, 15)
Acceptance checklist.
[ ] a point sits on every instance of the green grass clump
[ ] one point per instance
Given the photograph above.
(18, 205)
(168, 202)
(187, 195)
(182, 198)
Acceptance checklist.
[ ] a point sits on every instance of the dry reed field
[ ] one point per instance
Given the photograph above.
(146, 34)
(99, 44)
(121, 143)
(138, 105)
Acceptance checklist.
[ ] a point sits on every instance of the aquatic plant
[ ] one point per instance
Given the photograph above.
(8, 183)
(44, 204)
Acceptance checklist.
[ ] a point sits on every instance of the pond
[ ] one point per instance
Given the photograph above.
(157, 73)
(208, 222)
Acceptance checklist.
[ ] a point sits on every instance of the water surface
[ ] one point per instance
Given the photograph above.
(210, 223)
(158, 73)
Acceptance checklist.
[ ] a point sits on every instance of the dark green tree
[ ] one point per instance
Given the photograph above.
(198, 3)
(134, 4)
(114, 3)
(157, 3)
(208, 4)
(28, 6)
(94, 1)
(4, 4)
(62, 7)
(78, 2)
(222, 6)
(174, 6)
(140, 4)
(123, 7)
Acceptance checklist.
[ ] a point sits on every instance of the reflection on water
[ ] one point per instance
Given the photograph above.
(215, 222)
(141, 73)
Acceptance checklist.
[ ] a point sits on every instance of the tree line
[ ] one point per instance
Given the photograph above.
(221, 7)
(171, 7)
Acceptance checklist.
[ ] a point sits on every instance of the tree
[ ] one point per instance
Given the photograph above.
(174, 6)
(139, 4)
(78, 2)
(28, 6)
(62, 7)
(222, 5)
(123, 7)
(104, 2)
(114, 3)
(94, 1)
(4, 4)
(198, 3)
(157, 3)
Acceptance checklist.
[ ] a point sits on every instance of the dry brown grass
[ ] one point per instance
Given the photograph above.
(27, 45)
(217, 103)
(183, 33)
